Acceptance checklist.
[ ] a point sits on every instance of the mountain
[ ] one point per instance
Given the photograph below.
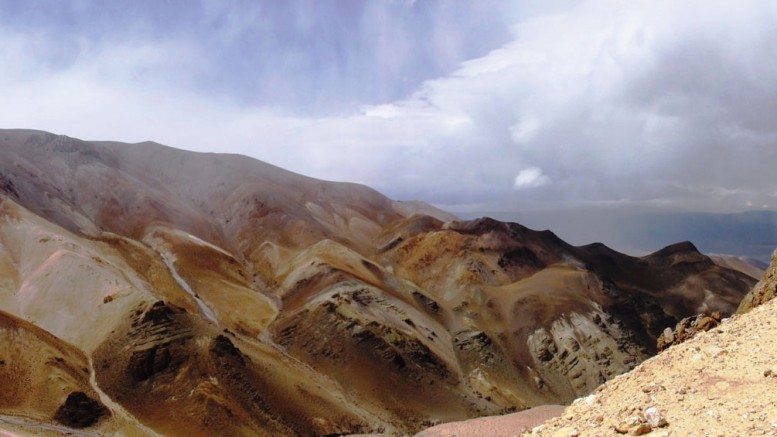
(751, 234)
(157, 291)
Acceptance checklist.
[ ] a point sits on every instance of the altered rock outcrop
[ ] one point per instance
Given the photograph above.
(764, 291)
(581, 351)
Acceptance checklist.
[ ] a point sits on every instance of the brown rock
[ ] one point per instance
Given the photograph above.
(158, 313)
(625, 426)
(665, 339)
(640, 429)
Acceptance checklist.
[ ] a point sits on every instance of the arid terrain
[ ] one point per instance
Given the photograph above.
(720, 382)
(146, 290)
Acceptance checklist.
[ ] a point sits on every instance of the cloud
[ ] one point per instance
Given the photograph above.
(525, 130)
(531, 177)
(646, 102)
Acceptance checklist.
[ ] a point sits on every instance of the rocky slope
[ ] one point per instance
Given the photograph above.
(764, 291)
(192, 292)
(721, 382)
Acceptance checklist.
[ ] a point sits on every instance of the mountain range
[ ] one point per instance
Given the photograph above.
(146, 290)
(640, 230)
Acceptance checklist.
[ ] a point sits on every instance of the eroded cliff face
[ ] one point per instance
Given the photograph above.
(214, 293)
(581, 351)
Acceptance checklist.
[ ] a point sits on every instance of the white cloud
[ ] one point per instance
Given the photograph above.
(531, 177)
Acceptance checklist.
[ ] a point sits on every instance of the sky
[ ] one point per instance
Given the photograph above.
(469, 105)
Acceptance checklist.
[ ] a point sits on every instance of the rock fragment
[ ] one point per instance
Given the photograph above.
(625, 426)
(654, 418)
(640, 429)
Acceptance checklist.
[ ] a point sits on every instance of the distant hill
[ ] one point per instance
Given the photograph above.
(749, 266)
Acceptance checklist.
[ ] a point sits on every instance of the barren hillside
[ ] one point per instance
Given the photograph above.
(190, 294)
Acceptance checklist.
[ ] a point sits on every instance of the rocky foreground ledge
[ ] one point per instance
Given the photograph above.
(721, 382)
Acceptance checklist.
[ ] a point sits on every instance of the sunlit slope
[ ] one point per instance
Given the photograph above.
(74, 287)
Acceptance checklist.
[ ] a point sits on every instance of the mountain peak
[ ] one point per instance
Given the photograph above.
(681, 247)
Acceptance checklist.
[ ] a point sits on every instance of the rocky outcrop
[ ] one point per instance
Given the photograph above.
(225, 350)
(582, 351)
(158, 330)
(764, 291)
(687, 329)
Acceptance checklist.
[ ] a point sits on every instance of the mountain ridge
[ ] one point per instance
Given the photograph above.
(210, 287)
